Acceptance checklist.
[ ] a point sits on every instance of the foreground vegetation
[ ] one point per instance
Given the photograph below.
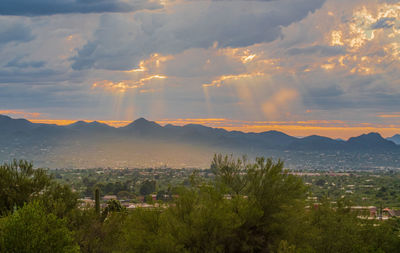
(244, 207)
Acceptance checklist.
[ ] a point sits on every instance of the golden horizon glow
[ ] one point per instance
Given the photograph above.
(332, 129)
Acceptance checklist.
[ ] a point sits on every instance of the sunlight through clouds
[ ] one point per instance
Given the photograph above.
(123, 86)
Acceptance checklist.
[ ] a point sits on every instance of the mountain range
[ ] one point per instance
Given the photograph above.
(143, 138)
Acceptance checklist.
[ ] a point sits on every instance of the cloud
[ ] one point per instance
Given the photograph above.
(318, 49)
(123, 86)
(327, 91)
(121, 42)
(43, 75)
(384, 23)
(14, 31)
(259, 60)
(17, 62)
(51, 7)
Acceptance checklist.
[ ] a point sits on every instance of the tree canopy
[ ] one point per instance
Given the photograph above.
(31, 229)
(19, 183)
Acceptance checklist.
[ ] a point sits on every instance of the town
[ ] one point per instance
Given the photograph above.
(376, 191)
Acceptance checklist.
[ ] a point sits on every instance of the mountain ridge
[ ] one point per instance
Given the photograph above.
(196, 133)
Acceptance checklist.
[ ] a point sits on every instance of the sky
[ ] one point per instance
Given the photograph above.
(327, 67)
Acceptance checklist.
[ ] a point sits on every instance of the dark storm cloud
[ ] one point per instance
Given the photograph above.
(51, 7)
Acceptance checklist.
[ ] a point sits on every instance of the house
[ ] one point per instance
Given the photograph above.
(86, 202)
(367, 210)
(109, 197)
(391, 212)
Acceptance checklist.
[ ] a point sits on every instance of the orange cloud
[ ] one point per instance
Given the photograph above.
(389, 116)
(223, 79)
(20, 113)
(124, 85)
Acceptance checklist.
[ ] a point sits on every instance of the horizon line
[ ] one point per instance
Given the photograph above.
(300, 129)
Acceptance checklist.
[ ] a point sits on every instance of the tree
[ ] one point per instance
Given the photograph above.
(112, 206)
(88, 229)
(147, 187)
(268, 200)
(19, 183)
(59, 199)
(31, 229)
(336, 228)
(248, 208)
(146, 231)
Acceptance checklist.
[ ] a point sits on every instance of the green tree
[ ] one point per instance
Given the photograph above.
(248, 208)
(31, 229)
(268, 200)
(147, 187)
(336, 228)
(59, 199)
(146, 231)
(112, 206)
(88, 229)
(19, 183)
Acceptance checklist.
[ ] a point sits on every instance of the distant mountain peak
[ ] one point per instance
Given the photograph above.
(371, 141)
(4, 116)
(79, 123)
(8, 118)
(12, 125)
(141, 120)
(369, 136)
(90, 125)
(374, 134)
(143, 123)
(273, 132)
(96, 123)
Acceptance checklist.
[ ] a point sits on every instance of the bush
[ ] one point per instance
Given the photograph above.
(31, 229)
